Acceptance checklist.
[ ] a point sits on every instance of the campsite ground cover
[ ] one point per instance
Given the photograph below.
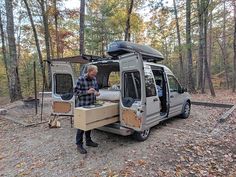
(199, 146)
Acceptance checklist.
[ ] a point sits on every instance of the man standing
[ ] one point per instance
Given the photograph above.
(86, 89)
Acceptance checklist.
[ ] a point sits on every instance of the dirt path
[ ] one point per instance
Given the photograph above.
(222, 96)
(175, 148)
(4, 101)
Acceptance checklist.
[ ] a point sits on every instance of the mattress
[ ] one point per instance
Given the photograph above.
(111, 95)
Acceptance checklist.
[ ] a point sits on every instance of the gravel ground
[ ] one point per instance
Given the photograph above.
(26, 113)
(176, 147)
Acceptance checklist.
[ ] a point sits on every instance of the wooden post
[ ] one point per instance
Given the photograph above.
(35, 90)
(43, 92)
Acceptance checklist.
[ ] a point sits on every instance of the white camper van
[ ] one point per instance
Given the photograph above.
(147, 93)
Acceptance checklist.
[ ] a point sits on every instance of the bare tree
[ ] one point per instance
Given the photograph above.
(206, 66)
(47, 39)
(234, 60)
(182, 75)
(14, 81)
(210, 39)
(127, 29)
(81, 28)
(56, 27)
(36, 41)
(201, 44)
(224, 48)
(4, 48)
(189, 47)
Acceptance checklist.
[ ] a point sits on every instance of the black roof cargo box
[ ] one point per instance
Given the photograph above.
(118, 48)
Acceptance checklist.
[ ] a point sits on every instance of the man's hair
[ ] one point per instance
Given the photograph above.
(91, 68)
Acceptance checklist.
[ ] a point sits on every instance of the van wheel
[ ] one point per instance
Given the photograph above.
(142, 136)
(186, 111)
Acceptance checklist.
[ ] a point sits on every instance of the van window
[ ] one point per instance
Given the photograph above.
(63, 84)
(150, 85)
(132, 85)
(174, 84)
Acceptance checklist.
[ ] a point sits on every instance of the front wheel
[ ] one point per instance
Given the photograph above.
(142, 136)
(186, 111)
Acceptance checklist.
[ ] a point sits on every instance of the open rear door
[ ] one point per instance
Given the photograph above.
(132, 102)
(62, 88)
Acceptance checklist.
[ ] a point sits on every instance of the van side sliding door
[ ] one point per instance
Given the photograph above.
(152, 99)
(132, 102)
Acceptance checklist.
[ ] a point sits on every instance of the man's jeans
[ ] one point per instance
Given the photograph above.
(79, 136)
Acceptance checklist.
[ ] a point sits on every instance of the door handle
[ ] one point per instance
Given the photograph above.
(171, 96)
(155, 99)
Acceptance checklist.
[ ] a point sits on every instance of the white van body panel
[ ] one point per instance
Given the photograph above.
(61, 68)
(131, 63)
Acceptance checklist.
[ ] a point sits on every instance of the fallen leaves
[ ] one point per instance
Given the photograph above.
(142, 162)
(20, 165)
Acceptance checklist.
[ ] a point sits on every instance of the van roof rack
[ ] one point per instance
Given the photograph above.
(115, 49)
(118, 48)
(82, 59)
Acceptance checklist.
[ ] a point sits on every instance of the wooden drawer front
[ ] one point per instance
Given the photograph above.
(61, 107)
(87, 119)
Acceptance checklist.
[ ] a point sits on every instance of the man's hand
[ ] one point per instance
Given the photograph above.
(97, 93)
(91, 90)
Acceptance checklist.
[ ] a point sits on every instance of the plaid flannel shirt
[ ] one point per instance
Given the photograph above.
(84, 83)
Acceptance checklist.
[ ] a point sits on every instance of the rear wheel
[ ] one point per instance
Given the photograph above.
(142, 136)
(186, 110)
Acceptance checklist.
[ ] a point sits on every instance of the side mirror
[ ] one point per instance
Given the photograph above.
(182, 90)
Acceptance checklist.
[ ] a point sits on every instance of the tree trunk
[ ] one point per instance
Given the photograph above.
(182, 74)
(209, 46)
(200, 50)
(56, 27)
(205, 4)
(81, 29)
(14, 81)
(51, 46)
(40, 57)
(206, 66)
(47, 40)
(234, 60)
(224, 52)
(210, 41)
(4, 48)
(127, 29)
(189, 46)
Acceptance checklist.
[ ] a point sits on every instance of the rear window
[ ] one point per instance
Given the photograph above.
(132, 85)
(63, 84)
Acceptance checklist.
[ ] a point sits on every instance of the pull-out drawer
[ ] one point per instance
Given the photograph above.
(95, 117)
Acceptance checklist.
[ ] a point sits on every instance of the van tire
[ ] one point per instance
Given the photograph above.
(142, 136)
(186, 110)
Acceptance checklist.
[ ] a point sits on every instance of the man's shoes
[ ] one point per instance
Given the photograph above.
(81, 149)
(91, 143)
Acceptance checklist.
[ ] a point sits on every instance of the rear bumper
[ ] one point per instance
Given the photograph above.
(116, 128)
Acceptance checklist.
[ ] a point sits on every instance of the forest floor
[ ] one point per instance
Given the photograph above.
(201, 145)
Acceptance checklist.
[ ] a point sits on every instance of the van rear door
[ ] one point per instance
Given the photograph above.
(132, 102)
(62, 88)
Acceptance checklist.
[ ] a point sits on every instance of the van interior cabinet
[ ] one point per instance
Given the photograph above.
(86, 118)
